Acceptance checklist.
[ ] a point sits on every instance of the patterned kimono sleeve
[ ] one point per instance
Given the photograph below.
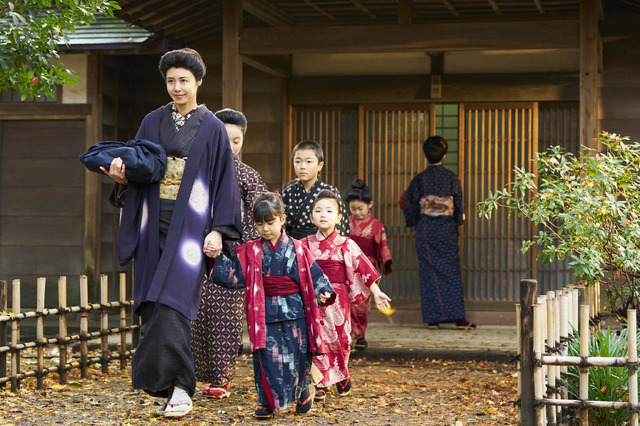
(412, 203)
(361, 274)
(457, 203)
(344, 226)
(320, 281)
(227, 271)
(287, 199)
(383, 253)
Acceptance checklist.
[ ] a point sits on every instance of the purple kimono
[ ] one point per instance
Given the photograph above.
(208, 199)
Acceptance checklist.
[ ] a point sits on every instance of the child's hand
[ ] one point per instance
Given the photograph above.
(325, 296)
(382, 301)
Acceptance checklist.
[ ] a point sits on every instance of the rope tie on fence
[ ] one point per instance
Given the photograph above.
(633, 410)
(583, 404)
(64, 310)
(516, 403)
(85, 309)
(41, 314)
(553, 389)
(106, 306)
(537, 363)
(632, 366)
(584, 362)
(514, 358)
(552, 349)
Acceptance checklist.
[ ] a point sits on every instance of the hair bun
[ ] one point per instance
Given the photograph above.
(358, 184)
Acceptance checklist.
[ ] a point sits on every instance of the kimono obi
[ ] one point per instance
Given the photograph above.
(433, 205)
(367, 245)
(279, 285)
(170, 183)
(334, 270)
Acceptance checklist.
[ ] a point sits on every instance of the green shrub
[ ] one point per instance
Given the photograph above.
(605, 383)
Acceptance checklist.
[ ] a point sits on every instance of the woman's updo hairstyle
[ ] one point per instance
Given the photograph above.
(183, 58)
(359, 191)
(267, 206)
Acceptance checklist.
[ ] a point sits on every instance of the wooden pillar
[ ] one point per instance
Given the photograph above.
(528, 295)
(589, 58)
(93, 181)
(231, 60)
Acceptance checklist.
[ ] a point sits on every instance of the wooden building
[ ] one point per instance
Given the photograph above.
(370, 80)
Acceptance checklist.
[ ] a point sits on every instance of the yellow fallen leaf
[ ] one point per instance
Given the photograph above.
(387, 311)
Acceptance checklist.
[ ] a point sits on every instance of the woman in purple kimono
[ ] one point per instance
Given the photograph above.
(167, 227)
(433, 205)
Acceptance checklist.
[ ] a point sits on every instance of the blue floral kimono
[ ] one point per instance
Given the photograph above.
(282, 351)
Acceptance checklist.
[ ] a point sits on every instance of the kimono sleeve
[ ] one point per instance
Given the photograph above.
(361, 274)
(383, 252)
(412, 203)
(227, 271)
(457, 203)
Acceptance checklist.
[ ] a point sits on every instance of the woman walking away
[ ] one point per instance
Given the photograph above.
(165, 227)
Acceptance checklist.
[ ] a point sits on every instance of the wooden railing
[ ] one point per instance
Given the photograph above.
(64, 339)
(545, 324)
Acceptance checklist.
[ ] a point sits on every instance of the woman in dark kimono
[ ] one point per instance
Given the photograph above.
(167, 226)
(433, 205)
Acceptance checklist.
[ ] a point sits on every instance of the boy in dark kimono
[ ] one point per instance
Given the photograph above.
(284, 288)
(299, 195)
(433, 205)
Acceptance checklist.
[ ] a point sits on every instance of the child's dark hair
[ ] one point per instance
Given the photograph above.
(183, 58)
(267, 206)
(231, 116)
(309, 144)
(326, 194)
(359, 191)
(435, 148)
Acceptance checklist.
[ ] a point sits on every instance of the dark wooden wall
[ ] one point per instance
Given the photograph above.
(620, 80)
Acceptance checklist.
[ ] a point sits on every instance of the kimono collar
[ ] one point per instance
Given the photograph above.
(329, 238)
(275, 246)
(365, 219)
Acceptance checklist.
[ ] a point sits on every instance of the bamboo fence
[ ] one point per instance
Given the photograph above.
(64, 339)
(545, 325)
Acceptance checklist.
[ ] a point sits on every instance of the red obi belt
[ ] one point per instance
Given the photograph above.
(279, 286)
(367, 245)
(334, 270)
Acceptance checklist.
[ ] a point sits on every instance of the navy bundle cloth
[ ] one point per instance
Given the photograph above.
(144, 161)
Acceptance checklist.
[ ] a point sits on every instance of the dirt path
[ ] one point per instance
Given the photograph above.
(425, 392)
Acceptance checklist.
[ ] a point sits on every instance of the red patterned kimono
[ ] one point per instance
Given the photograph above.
(371, 237)
(351, 274)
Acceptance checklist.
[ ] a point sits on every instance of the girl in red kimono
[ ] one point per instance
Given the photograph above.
(368, 232)
(284, 287)
(353, 278)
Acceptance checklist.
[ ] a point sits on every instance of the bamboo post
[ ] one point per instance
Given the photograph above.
(528, 293)
(123, 320)
(584, 370)
(538, 374)
(104, 323)
(633, 368)
(84, 325)
(574, 310)
(3, 330)
(15, 336)
(564, 334)
(551, 342)
(40, 339)
(62, 328)
(519, 354)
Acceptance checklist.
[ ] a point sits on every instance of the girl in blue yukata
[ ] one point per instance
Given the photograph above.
(284, 289)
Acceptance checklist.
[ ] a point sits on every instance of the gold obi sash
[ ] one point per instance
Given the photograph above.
(170, 184)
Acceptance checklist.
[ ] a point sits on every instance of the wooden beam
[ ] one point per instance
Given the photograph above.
(267, 13)
(589, 37)
(363, 9)
(275, 66)
(390, 38)
(231, 60)
(405, 12)
(36, 111)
